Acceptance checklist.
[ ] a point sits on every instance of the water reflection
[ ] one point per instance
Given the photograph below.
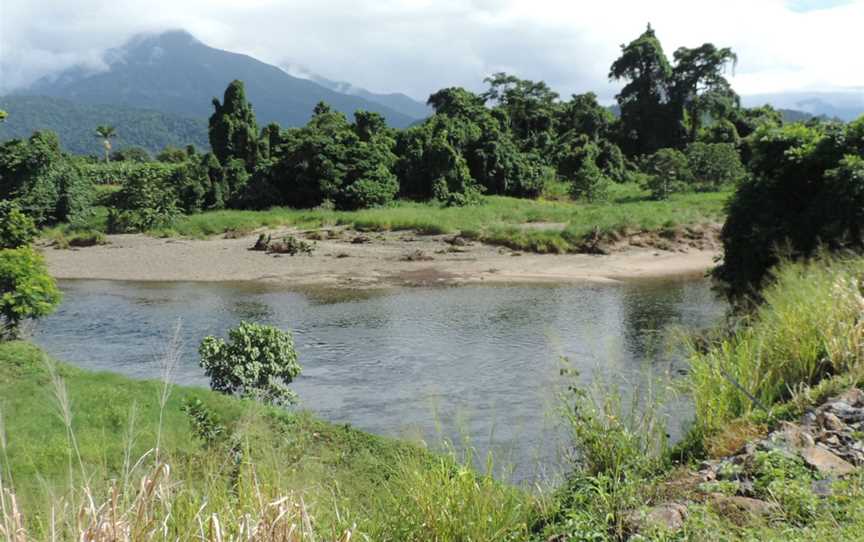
(479, 363)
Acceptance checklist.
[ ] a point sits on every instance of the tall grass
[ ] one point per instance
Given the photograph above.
(809, 327)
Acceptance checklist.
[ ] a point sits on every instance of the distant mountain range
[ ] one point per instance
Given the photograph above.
(846, 106)
(175, 73)
(157, 90)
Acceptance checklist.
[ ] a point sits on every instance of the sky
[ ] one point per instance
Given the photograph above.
(419, 46)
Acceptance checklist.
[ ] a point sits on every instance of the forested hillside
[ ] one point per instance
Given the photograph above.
(75, 124)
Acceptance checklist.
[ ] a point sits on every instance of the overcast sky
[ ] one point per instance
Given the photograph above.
(418, 46)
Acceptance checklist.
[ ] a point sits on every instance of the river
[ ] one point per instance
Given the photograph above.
(475, 365)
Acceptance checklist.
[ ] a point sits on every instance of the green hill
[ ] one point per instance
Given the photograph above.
(75, 124)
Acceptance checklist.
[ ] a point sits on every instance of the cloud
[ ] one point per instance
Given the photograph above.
(418, 46)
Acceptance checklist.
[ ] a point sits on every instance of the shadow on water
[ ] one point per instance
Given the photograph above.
(473, 364)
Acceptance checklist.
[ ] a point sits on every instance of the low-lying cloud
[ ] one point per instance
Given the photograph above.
(418, 46)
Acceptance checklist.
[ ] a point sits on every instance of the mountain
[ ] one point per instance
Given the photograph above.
(847, 105)
(396, 101)
(175, 73)
(76, 124)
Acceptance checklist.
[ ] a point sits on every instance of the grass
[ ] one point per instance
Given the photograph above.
(497, 219)
(807, 329)
(78, 447)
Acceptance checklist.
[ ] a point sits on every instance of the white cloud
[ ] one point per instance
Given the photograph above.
(418, 46)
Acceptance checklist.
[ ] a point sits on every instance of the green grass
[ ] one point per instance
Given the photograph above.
(497, 219)
(807, 329)
(346, 479)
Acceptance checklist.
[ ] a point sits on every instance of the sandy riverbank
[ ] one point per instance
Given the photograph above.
(397, 258)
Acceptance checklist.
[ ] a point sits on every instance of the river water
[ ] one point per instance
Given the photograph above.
(475, 365)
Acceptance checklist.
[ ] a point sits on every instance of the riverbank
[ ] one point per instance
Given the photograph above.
(344, 257)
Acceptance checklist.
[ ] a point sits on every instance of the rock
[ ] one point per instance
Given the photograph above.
(829, 421)
(669, 516)
(459, 241)
(360, 239)
(739, 508)
(852, 397)
(826, 462)
(794, 436)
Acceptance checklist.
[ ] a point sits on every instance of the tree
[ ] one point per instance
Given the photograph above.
(668, 172)
(173, 155)
(3, 115)
(805, 195)
(27, 291)
(258, 362)
(589, 182)
(106, 133)
(233, 129)
(698, 88)
(16, 228)
(646, 123)
(529, 109)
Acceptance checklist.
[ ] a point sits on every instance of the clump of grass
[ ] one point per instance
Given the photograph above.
(808, 328)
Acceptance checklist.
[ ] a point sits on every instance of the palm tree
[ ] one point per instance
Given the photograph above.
(106, 133)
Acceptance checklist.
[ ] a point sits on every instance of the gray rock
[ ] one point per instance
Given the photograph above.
(669, 516)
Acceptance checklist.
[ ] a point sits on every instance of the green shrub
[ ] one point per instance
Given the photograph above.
(147, 200)
(668, 173)
(258, 362)
(27, 291)
(87, 239)
(806, 192)
(714, 165)
(16, 228)
(589, 182)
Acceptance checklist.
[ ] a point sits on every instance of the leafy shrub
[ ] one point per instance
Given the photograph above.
(258, 362)
(714, 165)
(45, 182)
(147, 200)
(27, 291)
(589, 183)
(668, 173)
(205, 424)
(807, 192)
(16, 228)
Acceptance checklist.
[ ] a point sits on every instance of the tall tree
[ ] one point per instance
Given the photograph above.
(529, 109)
(699, 88)
(646, 124)
(233, 129)
(106, 133)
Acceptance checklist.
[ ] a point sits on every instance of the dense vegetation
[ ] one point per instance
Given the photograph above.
(74, 124)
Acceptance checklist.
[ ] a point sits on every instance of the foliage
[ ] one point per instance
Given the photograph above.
(664, 105)
(173, 155)
(73, 121)
(589, 182)
(105, 133)
(714, 165)
(807, 329)
(148, 199)
(668, 173)
(131, 154)
(16, 228)
(233, 129)
(27, 291)
(47, 185)
(805, 193)
(258, 362)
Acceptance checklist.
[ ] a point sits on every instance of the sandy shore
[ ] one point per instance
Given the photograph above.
(399, 258)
